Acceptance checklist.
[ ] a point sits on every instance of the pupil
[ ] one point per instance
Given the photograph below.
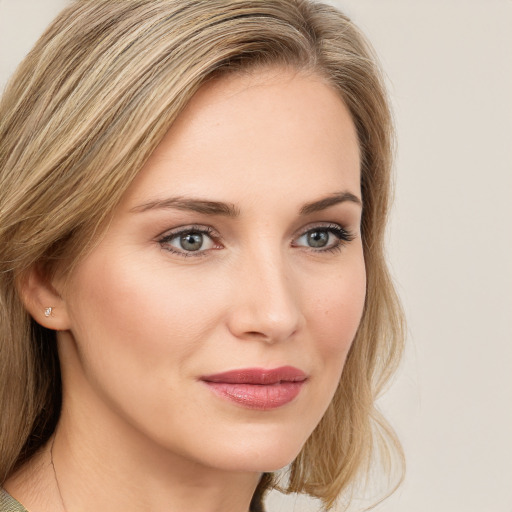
(318, 238)
(191, 241)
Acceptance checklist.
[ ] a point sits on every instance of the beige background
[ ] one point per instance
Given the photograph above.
(449, 65)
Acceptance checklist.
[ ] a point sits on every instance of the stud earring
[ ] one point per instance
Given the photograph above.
(48, 311)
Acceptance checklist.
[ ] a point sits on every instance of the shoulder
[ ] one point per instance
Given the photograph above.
(9, 504)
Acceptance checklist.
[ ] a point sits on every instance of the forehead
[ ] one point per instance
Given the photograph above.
(268, 129)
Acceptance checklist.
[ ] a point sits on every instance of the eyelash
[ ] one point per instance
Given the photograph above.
(343, 235)
(201, 230)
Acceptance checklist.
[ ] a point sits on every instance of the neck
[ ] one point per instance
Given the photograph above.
(105, 460)
(103, 468)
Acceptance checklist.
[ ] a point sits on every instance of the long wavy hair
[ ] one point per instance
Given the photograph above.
(78, 120)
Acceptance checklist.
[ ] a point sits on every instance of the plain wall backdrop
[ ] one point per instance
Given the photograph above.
(449, 69)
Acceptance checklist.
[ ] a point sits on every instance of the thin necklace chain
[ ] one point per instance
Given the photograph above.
(55, 475)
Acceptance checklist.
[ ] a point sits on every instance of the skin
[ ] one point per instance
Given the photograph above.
(140, 321)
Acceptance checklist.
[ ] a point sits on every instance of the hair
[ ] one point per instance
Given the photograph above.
(78, 120)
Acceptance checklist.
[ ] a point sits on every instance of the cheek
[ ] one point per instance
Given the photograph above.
(336, 310)
(136, 310)
(332, 314)
(136, 333)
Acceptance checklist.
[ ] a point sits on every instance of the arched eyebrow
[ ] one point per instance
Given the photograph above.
(330, 200)
(191, 204)
(207, 207)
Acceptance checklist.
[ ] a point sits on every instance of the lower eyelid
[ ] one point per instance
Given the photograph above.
(165, 240)
(343, 236)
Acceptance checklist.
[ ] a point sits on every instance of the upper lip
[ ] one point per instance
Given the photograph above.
(258, 376)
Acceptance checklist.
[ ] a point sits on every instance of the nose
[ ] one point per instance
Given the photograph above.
(265, 302)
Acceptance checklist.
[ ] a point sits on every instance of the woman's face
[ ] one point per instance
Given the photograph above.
(214, 317)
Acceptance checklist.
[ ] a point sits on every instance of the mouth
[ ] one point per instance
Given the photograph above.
(258, 388)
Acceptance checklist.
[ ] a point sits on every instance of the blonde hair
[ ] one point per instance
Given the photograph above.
(78, 120)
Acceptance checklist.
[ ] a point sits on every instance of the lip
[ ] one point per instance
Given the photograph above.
(258, 388)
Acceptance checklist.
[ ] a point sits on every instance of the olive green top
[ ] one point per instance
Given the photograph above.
(9, 504)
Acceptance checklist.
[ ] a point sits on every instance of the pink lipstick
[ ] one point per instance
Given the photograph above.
(258, 388)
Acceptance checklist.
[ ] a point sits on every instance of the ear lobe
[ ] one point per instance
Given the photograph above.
(42, 300)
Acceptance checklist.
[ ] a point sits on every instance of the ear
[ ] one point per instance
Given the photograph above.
(43, 300)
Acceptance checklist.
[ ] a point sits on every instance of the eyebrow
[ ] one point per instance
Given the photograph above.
(191, 204)
(330, 200)
(230, 210)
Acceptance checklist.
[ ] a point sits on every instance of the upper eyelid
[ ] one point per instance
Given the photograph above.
(342, 239)
(168, 235)
(204, 229)
(343, 234)
(323, 225)
(209, 230)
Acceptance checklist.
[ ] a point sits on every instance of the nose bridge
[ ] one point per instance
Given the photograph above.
(266, 303)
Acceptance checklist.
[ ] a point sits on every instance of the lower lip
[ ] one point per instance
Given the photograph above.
(257, 396)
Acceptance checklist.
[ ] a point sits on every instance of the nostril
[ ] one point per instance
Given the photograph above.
(259, 335)
(260, 313)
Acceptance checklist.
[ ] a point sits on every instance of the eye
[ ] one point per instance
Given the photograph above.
(318, 238)
(188, 241)
(324, 238)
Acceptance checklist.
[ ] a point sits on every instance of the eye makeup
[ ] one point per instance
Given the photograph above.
(189, 241)
(325, 238)
(198, 240)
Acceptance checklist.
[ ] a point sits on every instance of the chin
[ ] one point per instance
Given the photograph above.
(263, 463)
(266, 454)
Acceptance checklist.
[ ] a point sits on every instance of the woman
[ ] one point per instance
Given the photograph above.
(193, 198)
